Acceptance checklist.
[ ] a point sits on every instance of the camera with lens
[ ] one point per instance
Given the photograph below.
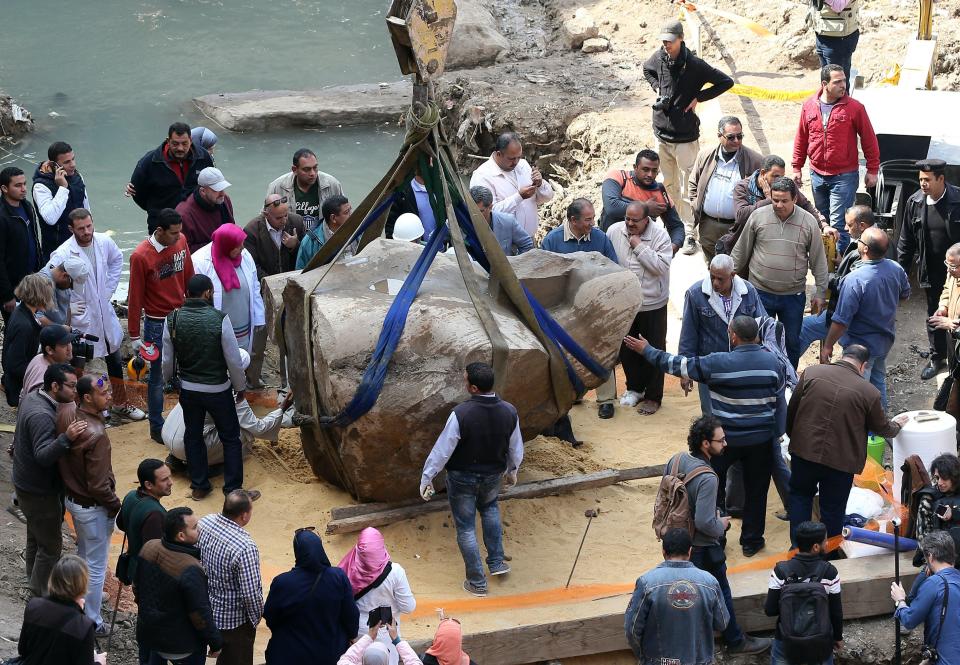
(929, 654)
(80, 344)
(661, 104)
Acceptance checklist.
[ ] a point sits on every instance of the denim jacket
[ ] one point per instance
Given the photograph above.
(705, 323)
(674, 611)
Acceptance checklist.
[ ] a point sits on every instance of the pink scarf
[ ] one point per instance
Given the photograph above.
(365, 562)
(227, 238)
(448, 644)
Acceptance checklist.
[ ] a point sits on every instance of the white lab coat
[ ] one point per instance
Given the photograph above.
(203, 265)
(91, 311)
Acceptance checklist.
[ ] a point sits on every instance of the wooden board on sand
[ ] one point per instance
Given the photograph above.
(348, 519)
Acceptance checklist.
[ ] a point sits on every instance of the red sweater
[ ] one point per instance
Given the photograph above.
(834, 151)
(158, 281)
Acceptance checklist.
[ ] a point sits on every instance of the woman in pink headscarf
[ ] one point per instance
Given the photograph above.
(377, 582)
(236, 287)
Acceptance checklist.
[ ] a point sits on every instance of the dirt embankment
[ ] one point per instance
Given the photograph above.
(582, 114)
(15, 121)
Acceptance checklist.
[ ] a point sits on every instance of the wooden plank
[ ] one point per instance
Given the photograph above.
(348, 519)
(865, 585)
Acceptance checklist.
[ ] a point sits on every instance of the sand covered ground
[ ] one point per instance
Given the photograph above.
(541, 535)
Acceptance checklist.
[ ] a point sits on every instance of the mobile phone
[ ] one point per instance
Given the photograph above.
(941, 511)
(377, 615)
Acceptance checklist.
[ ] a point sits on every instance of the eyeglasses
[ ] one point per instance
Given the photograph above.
(951, 266)
(733, 137)
(278, 202)
(69, 385)
(102, 381)
(720, 440)
(311, 529)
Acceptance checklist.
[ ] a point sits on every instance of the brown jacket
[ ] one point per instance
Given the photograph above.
(270, 259)
(830, 413)
(86, 469)
(748, 161)
(950, 299)
(743, 208)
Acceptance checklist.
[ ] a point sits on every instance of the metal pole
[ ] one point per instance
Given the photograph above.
(898, 656)
(589, 514)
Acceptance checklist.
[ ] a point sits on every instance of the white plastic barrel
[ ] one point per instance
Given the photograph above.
(934, 434)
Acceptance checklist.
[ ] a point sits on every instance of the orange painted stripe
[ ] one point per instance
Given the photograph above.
(428, 606)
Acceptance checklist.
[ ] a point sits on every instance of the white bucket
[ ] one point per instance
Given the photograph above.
(926, 438)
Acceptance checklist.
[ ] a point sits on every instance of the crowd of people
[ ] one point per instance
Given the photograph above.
(196, 316)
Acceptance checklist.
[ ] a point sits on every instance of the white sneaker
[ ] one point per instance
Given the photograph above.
(129, 412)
(630, 398)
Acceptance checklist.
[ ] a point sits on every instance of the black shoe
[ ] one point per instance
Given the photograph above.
(750, 550)
(605, 411)
(934, 367)
(175, 463)
(252, 494)
(751, 645)
(155, 435)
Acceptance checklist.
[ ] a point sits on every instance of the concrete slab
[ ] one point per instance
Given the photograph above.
(262, 110)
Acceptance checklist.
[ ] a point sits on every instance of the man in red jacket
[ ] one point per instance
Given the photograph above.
(160, 267)
(835, 164)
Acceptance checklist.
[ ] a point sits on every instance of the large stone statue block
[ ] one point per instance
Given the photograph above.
(380, 456)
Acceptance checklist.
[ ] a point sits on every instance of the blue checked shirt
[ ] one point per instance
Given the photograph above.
(232, 562)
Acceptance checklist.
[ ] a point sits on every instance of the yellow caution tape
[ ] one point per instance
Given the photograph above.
(752, 26)
(771, 95)
(891, 76)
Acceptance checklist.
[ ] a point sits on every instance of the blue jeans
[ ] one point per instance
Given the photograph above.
(93, 528)
(153, 332)
(838, 51)
(778, 657)
(833, 195)
(703, 391)
(469, 492)
(222, 408)
(788, 309)
(714, 561)
(813, 329)
(876, 373)
(805, 479)
(198, 658)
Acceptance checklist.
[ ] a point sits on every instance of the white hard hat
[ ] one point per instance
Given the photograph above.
(408, 227)
(244, 359)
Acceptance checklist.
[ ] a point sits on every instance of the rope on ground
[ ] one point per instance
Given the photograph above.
(17, 156)
(214, 120)
(756, 92)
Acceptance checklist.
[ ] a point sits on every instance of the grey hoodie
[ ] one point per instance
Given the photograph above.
(702, 491)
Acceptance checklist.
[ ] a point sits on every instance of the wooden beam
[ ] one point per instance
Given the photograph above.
(348, 519)
(865, 585)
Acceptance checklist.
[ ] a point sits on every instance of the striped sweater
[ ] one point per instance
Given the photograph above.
(746, 388)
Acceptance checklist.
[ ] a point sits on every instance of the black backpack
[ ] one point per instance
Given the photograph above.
(805, 627)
